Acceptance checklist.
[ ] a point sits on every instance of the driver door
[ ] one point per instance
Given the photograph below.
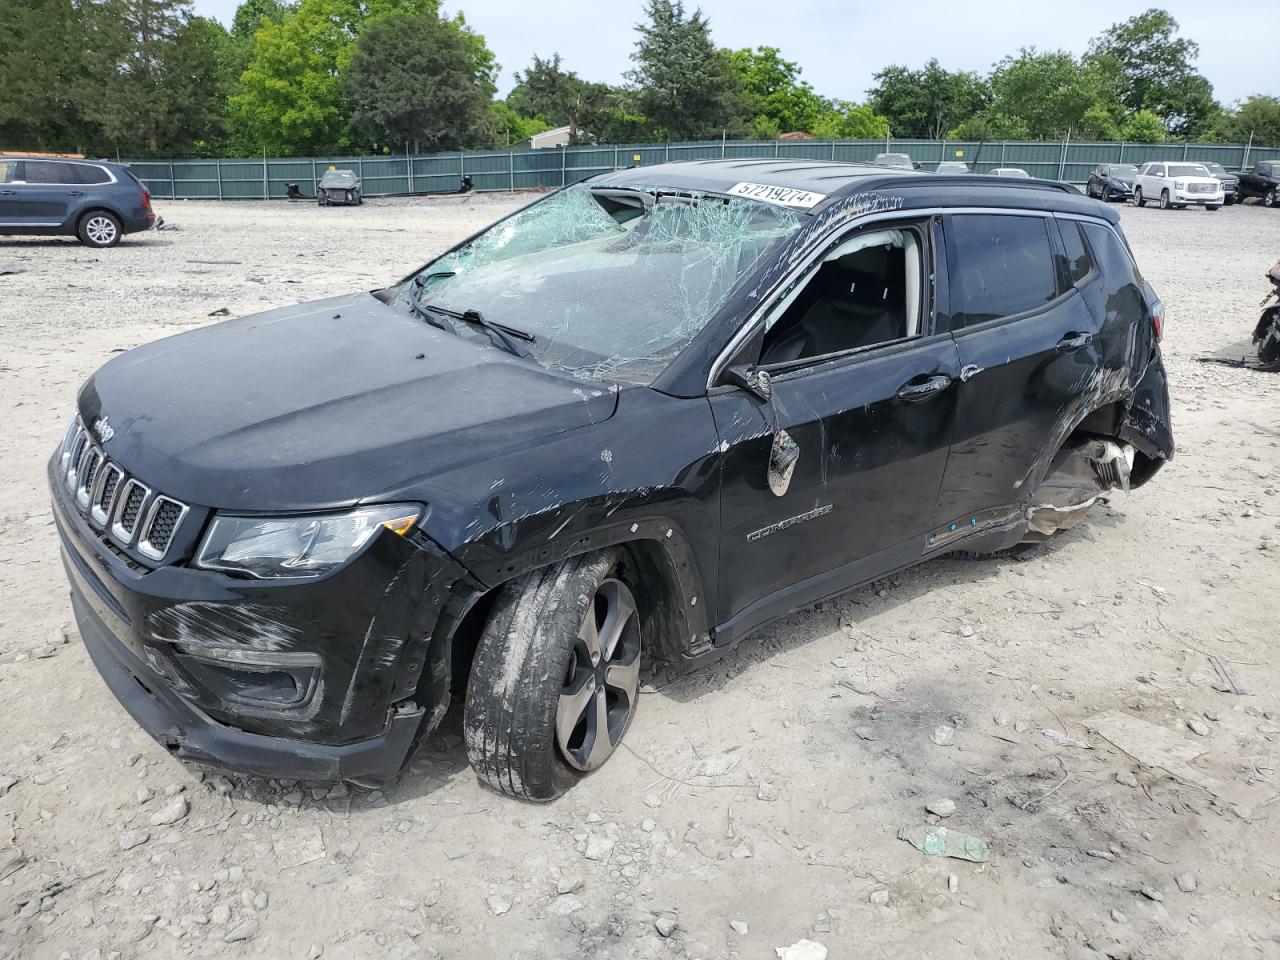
(863, 401)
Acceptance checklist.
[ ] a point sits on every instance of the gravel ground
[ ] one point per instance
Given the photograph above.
(761, 799)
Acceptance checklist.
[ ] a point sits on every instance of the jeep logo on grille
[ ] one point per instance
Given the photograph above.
(104, 430)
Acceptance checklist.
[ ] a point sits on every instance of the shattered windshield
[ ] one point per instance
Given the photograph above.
(607, 283)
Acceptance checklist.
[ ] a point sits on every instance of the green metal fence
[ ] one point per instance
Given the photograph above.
(384, 176)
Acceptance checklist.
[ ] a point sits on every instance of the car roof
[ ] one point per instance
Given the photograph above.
(836, 180)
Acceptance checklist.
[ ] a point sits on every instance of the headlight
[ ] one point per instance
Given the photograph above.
(1179, 184)
(271, 547)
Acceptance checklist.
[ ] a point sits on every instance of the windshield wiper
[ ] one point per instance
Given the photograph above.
(415, 304)
(508, 337)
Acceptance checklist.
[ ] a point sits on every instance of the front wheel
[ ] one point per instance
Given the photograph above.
(99, 228)
(1211, 206)
(556, 677)
(1164, 199)
(1138, 198)
(1270, 198)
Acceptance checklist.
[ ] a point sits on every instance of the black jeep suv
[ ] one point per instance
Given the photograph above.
(634, 420)
(95, 200)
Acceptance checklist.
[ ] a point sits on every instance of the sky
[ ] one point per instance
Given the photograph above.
(839, 44)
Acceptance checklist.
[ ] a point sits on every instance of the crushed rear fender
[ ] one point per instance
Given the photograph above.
(1147, 424)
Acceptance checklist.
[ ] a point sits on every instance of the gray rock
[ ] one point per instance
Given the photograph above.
(1186, 882)
(943, 735)
(498, 904)
(739, 927)
(666, 924)
(173, 811)
(221, 913)
(1126, 778)
(599, 848)
(953, 883)
(1151, 893)
(568, 885)
(652, 800)
(133, 838)
(143, 794)
(1118, 917)
(221, 786)
(243, 931)
(7, 783)
(942, 807)
(1198, 727)
(879, 897)
(261, 900)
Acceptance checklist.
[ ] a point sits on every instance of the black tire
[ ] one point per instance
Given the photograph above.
(1138, 197)
(99, 228)
(533, 669)
(1211, 206)
(1164, 200)
(1269, 199)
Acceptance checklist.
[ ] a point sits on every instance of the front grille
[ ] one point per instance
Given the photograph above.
(1203, 188)
(123, 508)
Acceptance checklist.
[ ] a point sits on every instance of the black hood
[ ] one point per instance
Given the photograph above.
(321, 404)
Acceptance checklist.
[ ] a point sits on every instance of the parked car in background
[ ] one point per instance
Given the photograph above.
(1016, 172)
(1230, 182)
(1112, 181)
(1262, 181)
(97, 201)
(340, 188)
(293, 539)
(900, 160)
(1177, 185)
(952, 167)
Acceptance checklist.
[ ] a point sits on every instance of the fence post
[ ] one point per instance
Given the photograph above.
(1185, 145)
(511, 167)
(615, 156)
(265, 193)
(668, 154)
(408, 169)
(1003, 144)
(775, 149)
(833, 150)
(217, 165)
(1121, 160)
(1244, 163)
(942, 153)
(173, 190)
(562, 164)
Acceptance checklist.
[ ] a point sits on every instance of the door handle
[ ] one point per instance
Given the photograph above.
(8, 193)
(75, 193)
(1074, 341)
(969, 371)
(916, 389)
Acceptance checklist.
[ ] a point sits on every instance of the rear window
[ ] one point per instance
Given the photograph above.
(1078, 261)
(1005, 266)
(86, 173)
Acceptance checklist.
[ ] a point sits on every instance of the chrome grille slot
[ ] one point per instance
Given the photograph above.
(86, 473)
(162, 522)
(73, 454)
(132, 497)
(109, 477)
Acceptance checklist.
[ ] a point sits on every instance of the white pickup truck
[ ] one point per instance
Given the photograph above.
(1177, 185)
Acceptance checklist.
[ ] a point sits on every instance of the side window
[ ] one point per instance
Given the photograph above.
(1078, 263)
(48, 171)
(1003, 265)
(8, 171)
(867, 291)
(88, 174)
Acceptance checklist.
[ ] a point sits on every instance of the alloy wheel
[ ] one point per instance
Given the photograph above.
(602, 682)
(1269, 199)
(100, 230)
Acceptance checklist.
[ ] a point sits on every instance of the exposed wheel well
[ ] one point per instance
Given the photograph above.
(647, 568)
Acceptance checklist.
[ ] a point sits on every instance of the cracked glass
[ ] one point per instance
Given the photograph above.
(610, 284)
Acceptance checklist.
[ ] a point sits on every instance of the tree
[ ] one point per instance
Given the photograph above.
(850, 121)
(291, 99)
(926, 102)
(1257, 117)
(684, 84)
(1049, 93)
(1143, 126)
(547, 91)
(774, 97)
(250, 16)
(421, 82)
(511, 127)
(42, 43)
(197, 83)
(1153, 70)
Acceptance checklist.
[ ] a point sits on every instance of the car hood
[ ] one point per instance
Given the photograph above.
(316, 405)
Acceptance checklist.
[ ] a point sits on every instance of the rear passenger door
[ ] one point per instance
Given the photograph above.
(50, 190)
(10, 210)
(1029, 363)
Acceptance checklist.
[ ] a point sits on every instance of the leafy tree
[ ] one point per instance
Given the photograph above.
(1097, 123)
(926, 102)
(423, 82)
(1154, 70)
(250, 15)
(685, 85)
(291, 99)
(850, 121)
(548, 91)
(612, 115)
(511, 127)
(42, 43)
(197, 82)
(1144, 126)
(1258, 116)
(1049, 93)
(774, 97)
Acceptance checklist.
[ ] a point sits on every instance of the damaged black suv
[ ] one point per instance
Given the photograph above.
(634, 420)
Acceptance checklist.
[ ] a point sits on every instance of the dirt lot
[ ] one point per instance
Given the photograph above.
(761, 800)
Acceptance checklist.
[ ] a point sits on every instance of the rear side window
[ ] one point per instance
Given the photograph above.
(1078, 263)
(48, 171)
(84, 173)
(8, 171)
(1004, 266)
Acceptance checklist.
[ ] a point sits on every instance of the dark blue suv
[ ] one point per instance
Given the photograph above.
(97, 201)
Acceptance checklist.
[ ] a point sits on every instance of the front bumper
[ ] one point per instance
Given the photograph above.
(319, 679)
(1203, 199)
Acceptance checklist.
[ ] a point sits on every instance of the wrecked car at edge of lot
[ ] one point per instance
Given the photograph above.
(638, 418)
(339, 188)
